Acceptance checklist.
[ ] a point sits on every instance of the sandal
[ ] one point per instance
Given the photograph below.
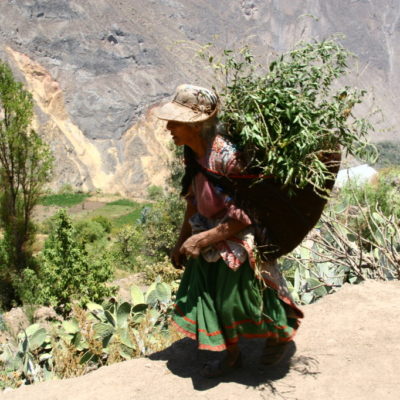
(273, 354)
(217, 368)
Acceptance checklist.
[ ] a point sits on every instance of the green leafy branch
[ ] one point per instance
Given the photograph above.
(289, 119)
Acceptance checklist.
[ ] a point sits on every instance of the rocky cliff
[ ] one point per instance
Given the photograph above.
(95, 66)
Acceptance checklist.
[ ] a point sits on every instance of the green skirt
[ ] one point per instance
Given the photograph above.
(216, 305)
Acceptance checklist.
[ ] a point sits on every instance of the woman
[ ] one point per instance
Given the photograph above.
(223, 293)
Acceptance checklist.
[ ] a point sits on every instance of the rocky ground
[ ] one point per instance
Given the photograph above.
(347, 348)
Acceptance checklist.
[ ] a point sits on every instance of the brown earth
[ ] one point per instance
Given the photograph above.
(347, 348)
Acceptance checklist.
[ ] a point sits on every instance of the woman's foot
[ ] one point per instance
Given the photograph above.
(216, 368)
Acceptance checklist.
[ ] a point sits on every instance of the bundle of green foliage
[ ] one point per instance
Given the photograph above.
(286, 120)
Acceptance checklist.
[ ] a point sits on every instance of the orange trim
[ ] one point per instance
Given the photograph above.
(181, 313)
(191, 335)
(209, 333)
(219, 347)
(285, 299)
(184, 331)
(250, 321)
(233, 325)
(215, 333)
(232, 341)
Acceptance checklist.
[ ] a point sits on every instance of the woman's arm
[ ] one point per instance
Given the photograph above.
(193, 245)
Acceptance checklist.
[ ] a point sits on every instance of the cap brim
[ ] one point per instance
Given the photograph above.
(176, 112)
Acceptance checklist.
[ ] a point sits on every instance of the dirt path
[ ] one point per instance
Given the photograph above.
(347, 348)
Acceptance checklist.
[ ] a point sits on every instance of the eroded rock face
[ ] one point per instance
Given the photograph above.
(96, 66)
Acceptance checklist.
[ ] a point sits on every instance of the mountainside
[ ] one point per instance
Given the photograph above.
(95, 66)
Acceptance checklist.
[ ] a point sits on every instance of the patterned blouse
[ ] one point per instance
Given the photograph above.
(215, 207)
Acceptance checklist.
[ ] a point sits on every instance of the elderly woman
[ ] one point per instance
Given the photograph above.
(224, 294)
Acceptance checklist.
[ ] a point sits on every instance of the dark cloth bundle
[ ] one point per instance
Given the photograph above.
(282, 216)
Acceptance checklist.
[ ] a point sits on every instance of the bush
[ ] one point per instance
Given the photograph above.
(128, 247)
(104, 222)
(389, 154)
(357, 238)
(66, 273)
(163, 270)
(154, 192)
(383, 195)
(161, 226)
(88, 231)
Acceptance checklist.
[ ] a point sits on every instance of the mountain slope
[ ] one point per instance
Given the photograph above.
(106, 62)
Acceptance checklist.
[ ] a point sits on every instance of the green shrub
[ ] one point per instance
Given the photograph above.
(66, 272)
(164, 271)
(383, 192)
(104, 222)
(94, 336)
(128, 247)
(154, 192)
(161, 226)
(88, 231)
(389, 154)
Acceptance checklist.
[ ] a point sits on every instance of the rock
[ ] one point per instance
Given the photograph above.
(15, 320)
(44, 314)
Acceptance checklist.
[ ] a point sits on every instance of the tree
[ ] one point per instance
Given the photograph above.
(67, 273)
(25, 166)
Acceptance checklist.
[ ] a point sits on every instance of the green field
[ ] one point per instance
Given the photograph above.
(63, 200)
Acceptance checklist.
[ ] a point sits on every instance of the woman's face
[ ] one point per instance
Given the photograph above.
(183, 134)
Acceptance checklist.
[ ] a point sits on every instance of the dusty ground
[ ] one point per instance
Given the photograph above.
(347, 348)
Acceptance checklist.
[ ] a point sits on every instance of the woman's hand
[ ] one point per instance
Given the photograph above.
(177, 258)
(191, 247)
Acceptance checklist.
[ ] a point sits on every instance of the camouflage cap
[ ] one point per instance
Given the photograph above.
(190, 104)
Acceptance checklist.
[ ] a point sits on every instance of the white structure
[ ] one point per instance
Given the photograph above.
(358, 175)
